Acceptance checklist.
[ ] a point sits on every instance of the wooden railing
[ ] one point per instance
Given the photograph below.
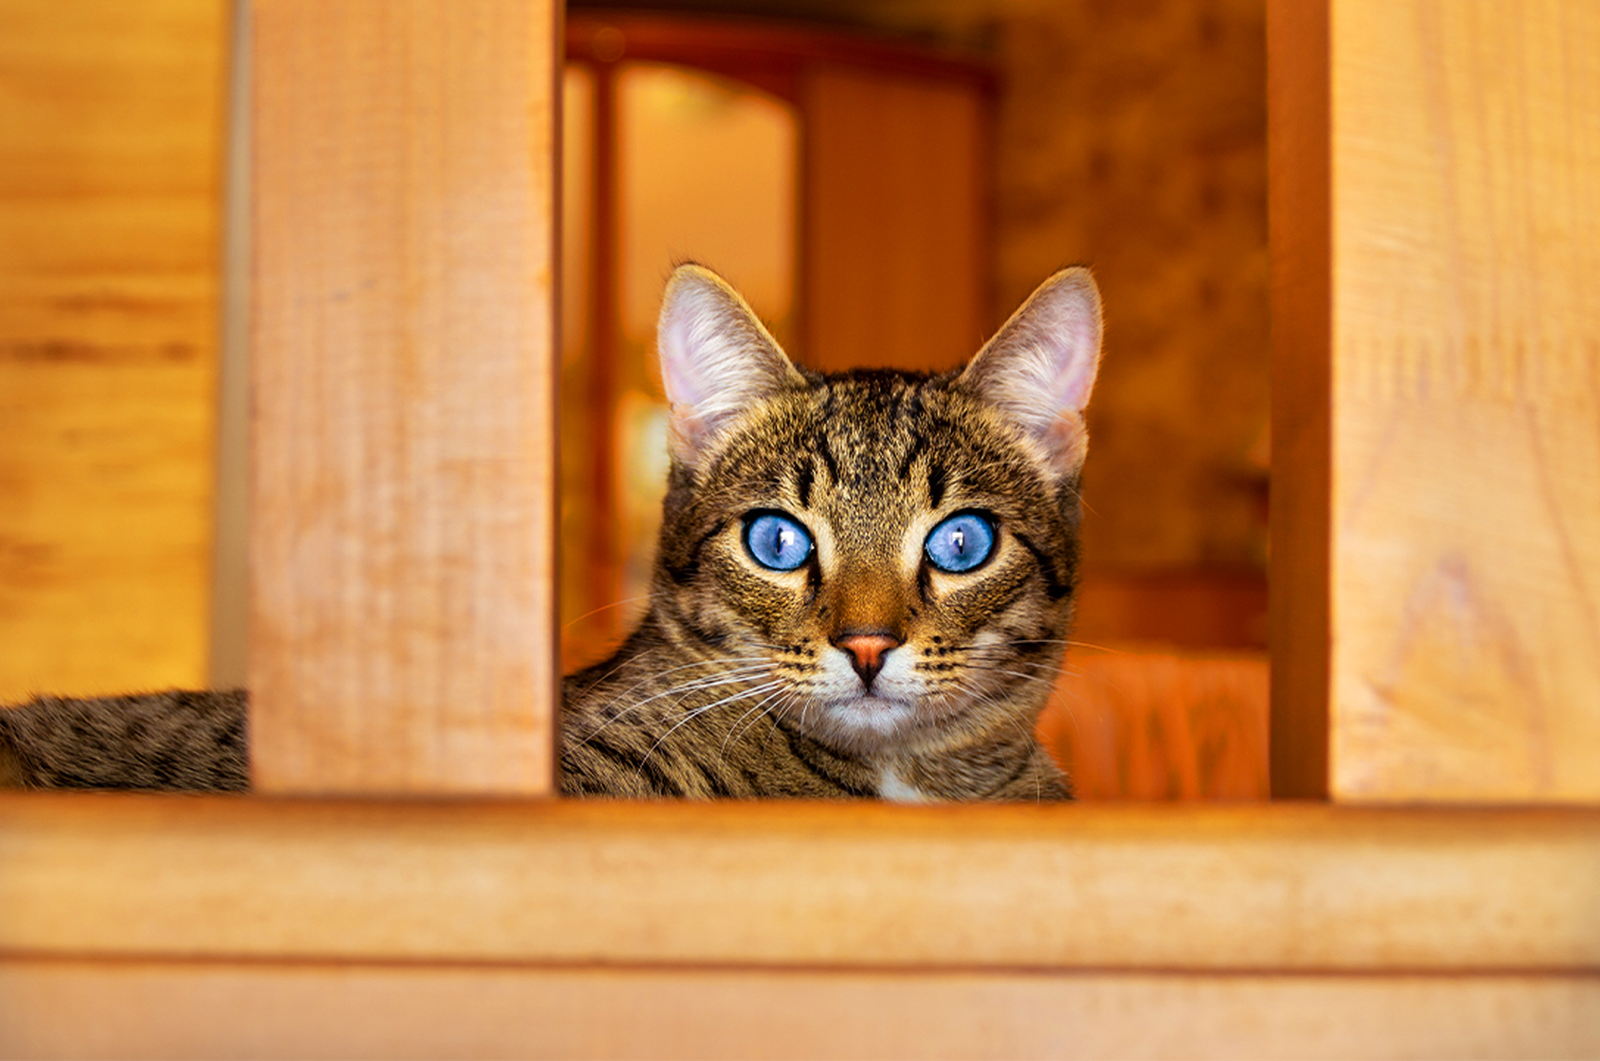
(1435, 566)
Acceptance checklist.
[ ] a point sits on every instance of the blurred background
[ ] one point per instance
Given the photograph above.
(885, 182)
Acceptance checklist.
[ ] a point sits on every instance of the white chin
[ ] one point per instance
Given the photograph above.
(871, 718)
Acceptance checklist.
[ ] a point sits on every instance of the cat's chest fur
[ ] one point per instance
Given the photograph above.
(894, 789)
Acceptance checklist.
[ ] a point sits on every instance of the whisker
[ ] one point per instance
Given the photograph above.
(733, 730)
(680, 692)
(698, 711)
(604, 608)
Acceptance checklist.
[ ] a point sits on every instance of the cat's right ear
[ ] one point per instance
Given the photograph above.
(716, 359)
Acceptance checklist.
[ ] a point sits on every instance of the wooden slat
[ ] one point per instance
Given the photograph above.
(179, 1010)
(1466, 389)
(403, 509)
(1298, 204)
(1283, 887)
(110, 138)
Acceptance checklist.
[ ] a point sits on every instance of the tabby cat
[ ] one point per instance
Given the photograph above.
(861, 588)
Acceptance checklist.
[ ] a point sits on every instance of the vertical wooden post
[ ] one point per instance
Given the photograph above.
(403, 505)
(1463, 571)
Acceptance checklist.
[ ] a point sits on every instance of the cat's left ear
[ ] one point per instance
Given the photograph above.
(716, 359)
(1040, 367)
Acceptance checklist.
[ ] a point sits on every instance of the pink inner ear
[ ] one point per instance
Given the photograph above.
(1069, 339)
(678, 377)
(716, 358)
(1078, 361)
(683, 434)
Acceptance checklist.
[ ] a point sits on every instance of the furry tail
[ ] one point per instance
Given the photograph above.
(172, 741)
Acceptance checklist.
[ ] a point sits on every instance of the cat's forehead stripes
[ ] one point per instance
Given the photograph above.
(868, 443)
(919, 432)
(936, 480)
(804, 477)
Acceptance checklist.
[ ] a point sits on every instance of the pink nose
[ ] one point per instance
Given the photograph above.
(867, 652)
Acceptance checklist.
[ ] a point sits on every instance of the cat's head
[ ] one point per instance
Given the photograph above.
(899, 550)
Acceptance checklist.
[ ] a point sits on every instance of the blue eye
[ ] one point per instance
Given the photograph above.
(961, 542)
(777, 541)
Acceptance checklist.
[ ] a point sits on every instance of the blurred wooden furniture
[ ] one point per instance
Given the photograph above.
(450, 927)
(1151, 724)
(892, 136)
(1164, 691)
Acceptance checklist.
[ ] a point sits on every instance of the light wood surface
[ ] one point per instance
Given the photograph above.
(110, 134)
(1247, 888)
(403, 508)
(893, 235)
(207, 1010)
(1466, 400)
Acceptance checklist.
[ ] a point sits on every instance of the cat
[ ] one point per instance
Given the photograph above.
(862, 586)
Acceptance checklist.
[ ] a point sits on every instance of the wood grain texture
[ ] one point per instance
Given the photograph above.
(205, 1009)
(1466, 400)
(1057, 887)
(1300, 516)
(110, 145)
(895, 269)
(403, 500)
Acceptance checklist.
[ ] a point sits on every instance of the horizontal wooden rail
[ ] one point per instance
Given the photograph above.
(72, 1009)
(1285, 887)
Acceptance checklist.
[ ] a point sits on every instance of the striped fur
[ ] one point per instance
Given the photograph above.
(740, 681)
(180, 741)
(735, 684)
